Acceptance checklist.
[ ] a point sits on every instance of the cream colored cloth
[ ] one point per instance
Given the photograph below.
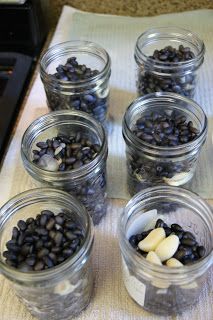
(110, 300)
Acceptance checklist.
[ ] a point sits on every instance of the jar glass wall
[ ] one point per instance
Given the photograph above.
(87, 182)
(158, 288)
(149, 164)
(60, 292)
(79, 84)
(168, 60)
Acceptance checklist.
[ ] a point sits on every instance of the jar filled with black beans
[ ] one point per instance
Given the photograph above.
(46, 240)
(68, 150)
(164, 133)
(75, 75)
(168, 59)
(171, 283)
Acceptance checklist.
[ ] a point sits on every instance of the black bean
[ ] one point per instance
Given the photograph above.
(22, 225)
(15, 233)
(10, 255)
(59, 220)
(30, 261)
(168, 231)
(67, 252)
(201, 251)
(38, 266)
(71, 236)
(39, 244)
(43, 220)
(159, 223)
(25, 249)
(43, 252)
(133, 241)
(74, 244)
(50, 224)
(24, 267)
(179, 234)
(42, 145)
(48, 261)
(13, 247)
(41, 231)
(188, 235)
(48, 213)
(58, 238)
(188, 242)
(176, 227)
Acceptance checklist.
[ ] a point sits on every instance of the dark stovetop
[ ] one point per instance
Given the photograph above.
(14, 72)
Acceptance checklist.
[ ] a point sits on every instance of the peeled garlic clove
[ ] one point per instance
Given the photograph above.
(167, 248)
(173, 263)
(47, 162)
(179, 178)
(152, 240)
(152, 257)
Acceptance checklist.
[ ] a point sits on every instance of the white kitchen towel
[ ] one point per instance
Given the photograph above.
(117, 35)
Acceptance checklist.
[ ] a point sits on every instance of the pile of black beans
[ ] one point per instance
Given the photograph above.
(43, 242)
(66, 153)
(188, 252)
(164, 130)
(176, 81)
(94, 103)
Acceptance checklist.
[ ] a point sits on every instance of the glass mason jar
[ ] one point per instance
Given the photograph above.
(57, 293)
(148, 164)
(90, 95)
(154, 75)
(87, 183)
(158, 288)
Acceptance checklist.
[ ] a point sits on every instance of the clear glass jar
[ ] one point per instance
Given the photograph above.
(89, 95)
(87, 183)
(57, 293)
(160, 289)
(159, 76)
(147, 164)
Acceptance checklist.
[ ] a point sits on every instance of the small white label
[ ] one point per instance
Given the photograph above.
(135, 288)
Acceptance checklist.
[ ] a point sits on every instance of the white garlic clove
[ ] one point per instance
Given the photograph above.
(152, 240)
(167, 248)
(47, 162)
(173, 263)
(179, 178)
(152, 257)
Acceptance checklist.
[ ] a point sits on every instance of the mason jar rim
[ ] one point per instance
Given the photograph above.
(162, 272)
(63, 48)
(25, 198)
(168, 32)
(42, 122)
(157, 150)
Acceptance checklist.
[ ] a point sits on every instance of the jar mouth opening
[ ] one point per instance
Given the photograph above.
(89, 167)
(55, 271)
(165, 97)
(75, 46)
(148, 37)
(159, 271)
